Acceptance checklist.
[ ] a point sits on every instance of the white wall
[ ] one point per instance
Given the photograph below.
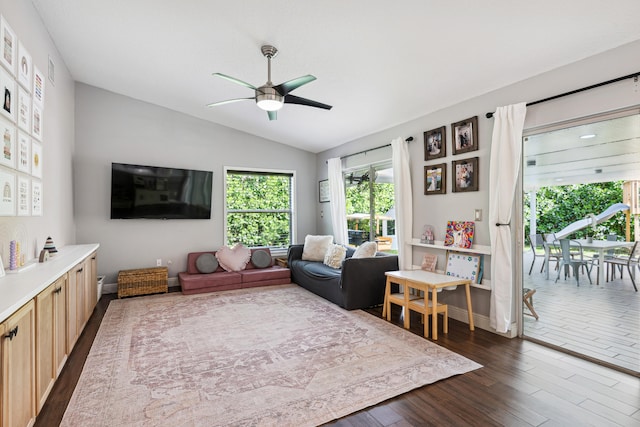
(115, 128)
(438, 209)
(57, 220)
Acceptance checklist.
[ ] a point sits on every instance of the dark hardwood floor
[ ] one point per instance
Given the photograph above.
(521, 384)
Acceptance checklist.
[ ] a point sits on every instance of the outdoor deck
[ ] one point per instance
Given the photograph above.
(599, 321)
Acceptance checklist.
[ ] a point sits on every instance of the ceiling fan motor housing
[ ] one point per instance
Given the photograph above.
(268, 98)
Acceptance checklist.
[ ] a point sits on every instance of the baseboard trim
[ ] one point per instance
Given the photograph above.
(112, 288)
(480, 321)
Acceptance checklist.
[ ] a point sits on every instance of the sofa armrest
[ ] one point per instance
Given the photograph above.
(363, 280)
(294, 252)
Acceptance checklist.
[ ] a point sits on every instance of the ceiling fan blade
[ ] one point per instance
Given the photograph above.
(292, 99)
(234, 80)
(273, 115)
(229, 101)
(286, 87)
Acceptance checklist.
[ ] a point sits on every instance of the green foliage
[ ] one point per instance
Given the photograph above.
(357, 199)
(258, 210)
(557, 207)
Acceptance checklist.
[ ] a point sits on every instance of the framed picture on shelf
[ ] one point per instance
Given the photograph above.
(24, 201)
(8, 132)
(24, 110)
(7, 193)
(36, 198)
(9, 46)
(465, 135)
(435, 143)
(465, 173)
(36, 159)
(24, 153)
(435, 179)
(323, 191)
(8, 89)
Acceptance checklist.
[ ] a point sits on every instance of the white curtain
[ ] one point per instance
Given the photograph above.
(506, 150)
(403, 201)
(338, 203)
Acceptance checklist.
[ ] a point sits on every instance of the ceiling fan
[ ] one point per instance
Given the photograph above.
(269, 97)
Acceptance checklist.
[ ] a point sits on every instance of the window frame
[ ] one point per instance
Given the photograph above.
(275, 250)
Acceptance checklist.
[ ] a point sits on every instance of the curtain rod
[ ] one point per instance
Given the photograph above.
(372, 149)
(634, 76)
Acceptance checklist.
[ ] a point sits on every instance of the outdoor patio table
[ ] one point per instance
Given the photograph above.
(600, 245)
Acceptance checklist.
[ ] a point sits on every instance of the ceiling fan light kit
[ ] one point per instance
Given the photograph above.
(271, 98)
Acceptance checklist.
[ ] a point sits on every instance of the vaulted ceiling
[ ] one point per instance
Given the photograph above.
(379, 63)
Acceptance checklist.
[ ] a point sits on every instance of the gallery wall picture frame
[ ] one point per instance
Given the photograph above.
(24, 196)
(8, 132)
(36, 122)
(24, 110)
(7, 192)
(323, 191)
(435, 143)
(38, 87)
(36, 198)
(465, 175)
(36, 159)
(8, 46)
(24, 153)
(464, 135)
(435, 179)
(25, 70)
(9, 96)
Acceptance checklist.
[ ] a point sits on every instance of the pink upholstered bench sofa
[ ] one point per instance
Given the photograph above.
(265, 273)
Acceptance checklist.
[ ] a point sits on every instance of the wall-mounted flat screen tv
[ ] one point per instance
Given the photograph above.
(154, 192)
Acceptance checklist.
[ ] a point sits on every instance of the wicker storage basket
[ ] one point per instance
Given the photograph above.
(143, 281)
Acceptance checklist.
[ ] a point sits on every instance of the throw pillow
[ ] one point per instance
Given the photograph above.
(261, 258)
(315, 247)
(206, 263)
(233, 259)
(335, 255)
(366, 250)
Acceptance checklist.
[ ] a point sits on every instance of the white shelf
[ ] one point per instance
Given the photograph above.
(438, 244)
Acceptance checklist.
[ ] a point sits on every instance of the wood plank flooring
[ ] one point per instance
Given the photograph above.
(601, 322)
(521, 384)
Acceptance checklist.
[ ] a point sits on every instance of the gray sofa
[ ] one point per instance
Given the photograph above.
(358, 284)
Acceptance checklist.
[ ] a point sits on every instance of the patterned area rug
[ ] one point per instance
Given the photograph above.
(272, 356)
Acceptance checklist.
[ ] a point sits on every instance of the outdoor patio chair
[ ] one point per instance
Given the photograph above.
(595, 259)
(538, 242)
(632, 260)
(575, 262)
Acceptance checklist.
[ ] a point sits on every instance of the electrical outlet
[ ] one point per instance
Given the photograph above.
(159, 262)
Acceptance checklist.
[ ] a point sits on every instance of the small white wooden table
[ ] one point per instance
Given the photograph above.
(424, 281)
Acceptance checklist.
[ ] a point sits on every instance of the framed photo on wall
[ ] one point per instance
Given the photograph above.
(7, 193)
(8, 133)
(8, 47)
(465, 174)
(464, 135)
(9, 95)
(24, 153)
(435, 179)
(24, 110)
(25, 72)
(24, 202)
(323, 191)
(435, 143)
(36, 159)
(36, 198)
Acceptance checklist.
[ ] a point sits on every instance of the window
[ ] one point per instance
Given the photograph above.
(259, 208)
(370, 200)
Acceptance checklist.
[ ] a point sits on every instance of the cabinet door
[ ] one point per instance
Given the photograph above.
(50, 337)
(91, 285)
(18, 368)
(76, 313)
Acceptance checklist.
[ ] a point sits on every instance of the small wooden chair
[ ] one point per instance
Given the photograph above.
(527, 298)
(418, 305)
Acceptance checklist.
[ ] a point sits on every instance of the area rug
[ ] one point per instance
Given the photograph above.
(271, 356)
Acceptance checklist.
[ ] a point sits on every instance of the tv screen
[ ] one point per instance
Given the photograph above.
(159, 193)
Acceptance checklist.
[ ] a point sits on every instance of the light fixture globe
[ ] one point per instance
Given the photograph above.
(269, 99)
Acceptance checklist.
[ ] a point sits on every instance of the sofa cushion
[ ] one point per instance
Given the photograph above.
(366, 250)
(265, 274)
(206, 263)
(335, 255)
(261, 258)
(315, 247)
(233, 259)
(221, 280)
(320, 271)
